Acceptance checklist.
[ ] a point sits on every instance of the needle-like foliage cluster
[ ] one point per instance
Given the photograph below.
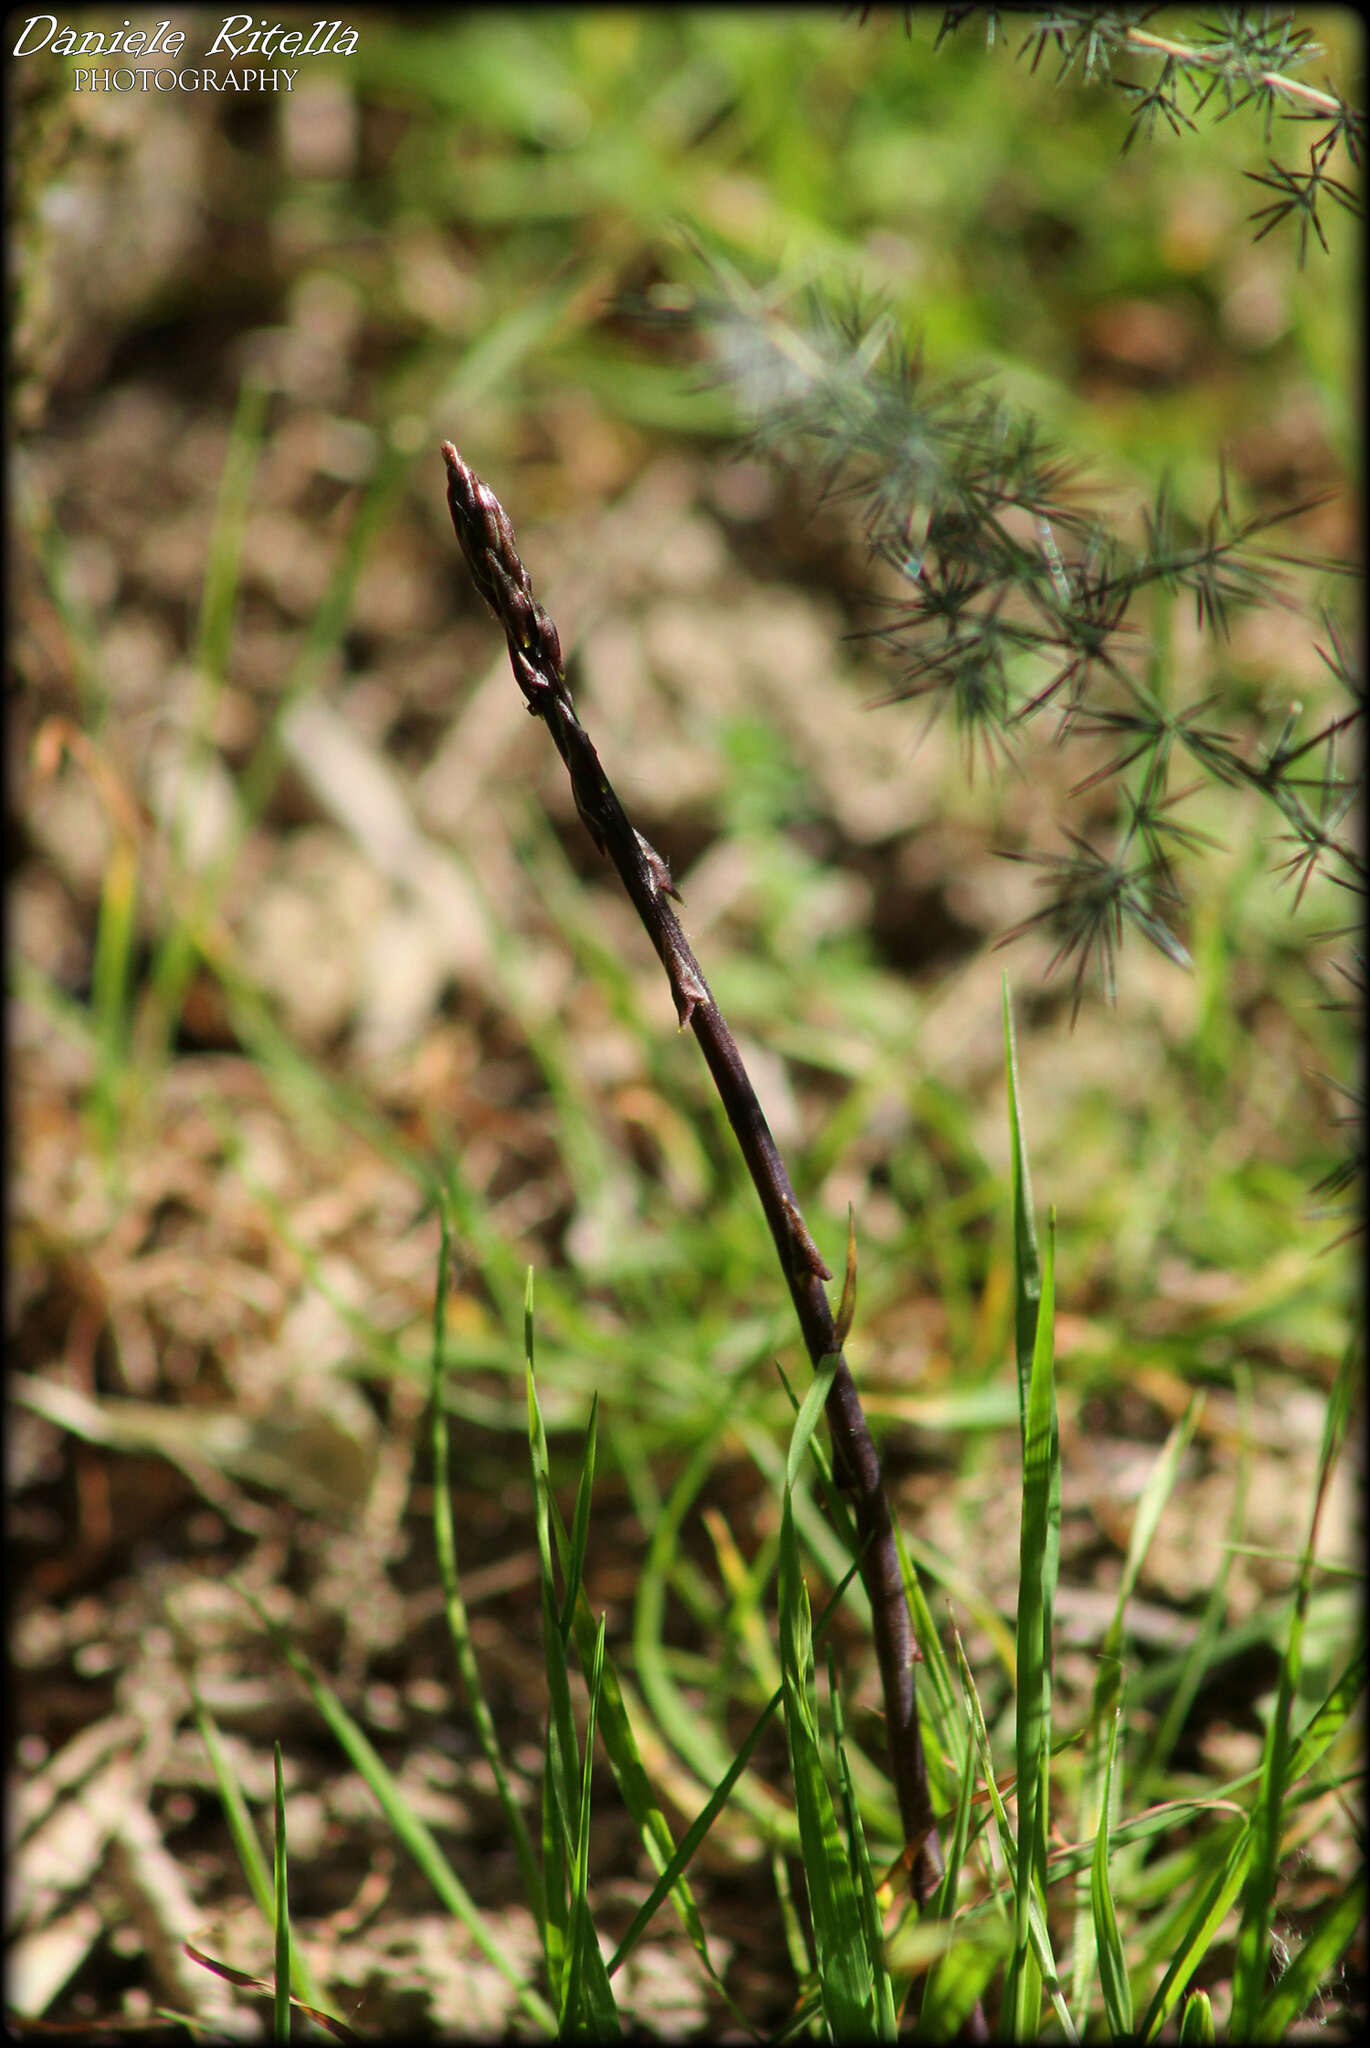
(1017, 602)
(1247, 58)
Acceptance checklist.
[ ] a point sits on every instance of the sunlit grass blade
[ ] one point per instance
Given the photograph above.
(669, 1860)
(175, 953)
(845, 1967)
(560, 1788)
(1108, 1942)
(690, 1734)
(280, 2013)
(588, 2005)
(958, 1843)
(219, 594)
(1032, 1967)
(746, 1589)
(1329, 1720)
(112, 979)
(584, 1976)
(886, 2024)
(409, 1829)
(1196, 2022)
(1198, 1934)
(1253, 1937)
(1040, 1538)
(997, 1826)
(672, 1872)
(246, 1843)
(458, 1628)
(689, 1842)
(573, 1556)
(1183, 1690)
(1187, 1935)
(1038, 1550)
(947, 1742)
(556, 1927)
(807, 2013)
(188, 933)
(806, 1421)
(960, 1958)
(942, 2009)
(1098, 1769)
(1027, 1269)
(960, 1961)
(575, 1965)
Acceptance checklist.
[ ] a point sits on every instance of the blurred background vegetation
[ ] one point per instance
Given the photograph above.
(302, 922)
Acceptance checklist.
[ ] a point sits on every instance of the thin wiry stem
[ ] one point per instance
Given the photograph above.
(487, 540)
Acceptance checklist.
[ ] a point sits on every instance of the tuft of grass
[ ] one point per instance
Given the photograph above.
(991, 1931)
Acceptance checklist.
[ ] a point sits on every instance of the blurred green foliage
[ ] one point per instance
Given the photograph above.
(991, 206)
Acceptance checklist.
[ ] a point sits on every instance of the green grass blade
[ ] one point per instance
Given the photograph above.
(671, 1871)
(958, 1841)
(575, 1966)
(1160, 1484)
(588, 2006)
(280, 2014)
(1182, 1692)
(409, 1830)
(1330, 1718)
(1253, 1936)
(670, 1862)
(984, 1763)
(1027, 1267)
(1196, 2022)
(1038, 1552)
(959, 1971)
(220, 593)
(959, 1962)
(248, 1847)
(805, 1423)
(689, 1734)
(189, 933)
(796, 1945)
(560, 1792)
(112, 978)
(556, 1878)
(859, 1854)
(1113, 1979)
(947, 1743)
(1198, 1934)
(573, 1559)
(458, 1626)
(1031, 1967)
(845, 1971)
(1102, 1726)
